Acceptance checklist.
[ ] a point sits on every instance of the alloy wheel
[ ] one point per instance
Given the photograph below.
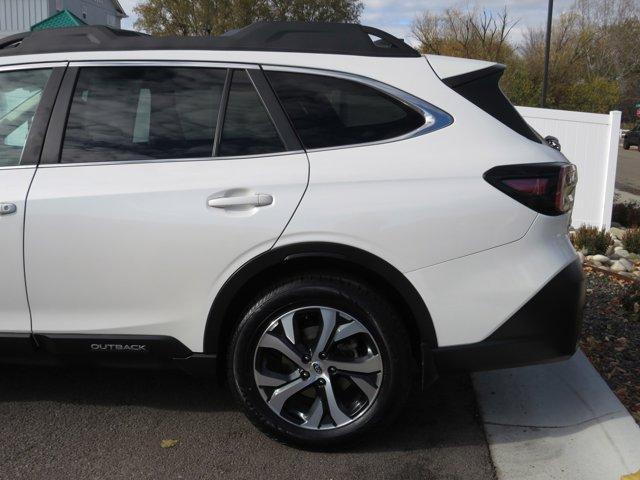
(318, 367)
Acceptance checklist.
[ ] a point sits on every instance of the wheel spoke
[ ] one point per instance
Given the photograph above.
(337, 358)
(368, 389)
(368, 364)
(287, 325)
(315, 414)
(285, 392)
(338, 416)
(347, 330)
(268, 378)
(285, 347)
(329, 317)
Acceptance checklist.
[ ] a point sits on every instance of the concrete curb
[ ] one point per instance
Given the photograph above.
(556, 421)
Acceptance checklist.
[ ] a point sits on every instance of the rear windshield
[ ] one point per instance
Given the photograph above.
(482, 89)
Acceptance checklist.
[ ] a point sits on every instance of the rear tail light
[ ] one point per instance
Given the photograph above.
(547, 188)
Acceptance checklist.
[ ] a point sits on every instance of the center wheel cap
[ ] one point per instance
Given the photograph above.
(316, 366)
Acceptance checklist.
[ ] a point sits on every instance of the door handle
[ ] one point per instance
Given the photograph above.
(8, 208)
(255, 200)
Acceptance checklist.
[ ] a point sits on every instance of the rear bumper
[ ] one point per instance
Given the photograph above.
(545, 329)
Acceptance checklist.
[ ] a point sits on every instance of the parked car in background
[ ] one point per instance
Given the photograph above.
(631, 138)
(288, 205)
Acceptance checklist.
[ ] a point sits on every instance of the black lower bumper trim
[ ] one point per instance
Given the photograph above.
(545, 329)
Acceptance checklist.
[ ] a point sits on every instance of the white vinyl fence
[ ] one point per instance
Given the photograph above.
(590, 141)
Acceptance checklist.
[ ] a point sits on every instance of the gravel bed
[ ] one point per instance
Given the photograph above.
(611, 334)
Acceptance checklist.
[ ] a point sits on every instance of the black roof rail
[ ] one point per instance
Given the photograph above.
(305, 37)
(12, 41)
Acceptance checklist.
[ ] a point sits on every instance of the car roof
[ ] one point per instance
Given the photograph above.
(304, 37)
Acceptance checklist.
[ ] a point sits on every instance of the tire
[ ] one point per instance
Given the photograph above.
(368, 332)
(626, 145)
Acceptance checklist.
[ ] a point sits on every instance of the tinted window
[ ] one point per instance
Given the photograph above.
(20, 94)
(140, 113)
(329, 112)
(248, 129)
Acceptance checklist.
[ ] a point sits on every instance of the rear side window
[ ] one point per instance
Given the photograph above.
(20, 94)
(247, 128)
(143, 113)
(332, 112)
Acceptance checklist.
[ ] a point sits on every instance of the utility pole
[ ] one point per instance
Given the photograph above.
(547, 50)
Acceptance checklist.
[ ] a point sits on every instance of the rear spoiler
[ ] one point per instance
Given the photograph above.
(451, 68)
(478, 82)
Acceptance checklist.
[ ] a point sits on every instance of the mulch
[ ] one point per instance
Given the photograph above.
(611, 334)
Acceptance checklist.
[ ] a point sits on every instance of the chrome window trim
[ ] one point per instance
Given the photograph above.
(435, 118)
(168, 160)
(32, 66)
(161, 63)
(17, 167)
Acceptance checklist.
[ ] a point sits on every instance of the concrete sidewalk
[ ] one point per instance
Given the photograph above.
(556, 421)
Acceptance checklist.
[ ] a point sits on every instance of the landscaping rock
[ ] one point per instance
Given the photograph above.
(600, 259)
(617, 243)
(622, 253)
(616, 232)
(622, 265)
(618, 267)
(610, 251)
(627, 264)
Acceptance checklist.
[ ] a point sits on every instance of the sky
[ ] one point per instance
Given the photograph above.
(396, 16)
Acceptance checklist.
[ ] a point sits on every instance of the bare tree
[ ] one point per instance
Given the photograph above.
(594, 63)
(472, 33)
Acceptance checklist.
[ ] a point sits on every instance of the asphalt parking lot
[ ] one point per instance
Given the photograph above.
(94, 424)
(628, 171)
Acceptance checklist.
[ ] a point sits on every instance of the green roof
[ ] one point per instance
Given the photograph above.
(61, 19)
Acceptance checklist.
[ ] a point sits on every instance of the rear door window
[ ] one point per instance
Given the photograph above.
(248, 128)
(20, 94)
(143, 113)
(331, 112)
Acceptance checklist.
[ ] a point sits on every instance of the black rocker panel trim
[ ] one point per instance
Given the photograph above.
(305, 37)
(545, 329)
(122, 351)
(16, 344)
(139, 345)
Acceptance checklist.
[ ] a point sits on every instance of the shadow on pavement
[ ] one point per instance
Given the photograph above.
(109, 423)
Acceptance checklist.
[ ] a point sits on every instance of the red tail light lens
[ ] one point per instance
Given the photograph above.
(547, 188)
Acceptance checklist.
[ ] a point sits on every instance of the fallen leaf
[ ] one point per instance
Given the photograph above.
(170, 443)
(631, 476)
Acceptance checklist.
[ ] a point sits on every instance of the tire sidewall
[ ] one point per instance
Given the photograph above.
(349, 299)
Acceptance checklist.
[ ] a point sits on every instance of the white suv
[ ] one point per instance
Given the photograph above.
(316, 209)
